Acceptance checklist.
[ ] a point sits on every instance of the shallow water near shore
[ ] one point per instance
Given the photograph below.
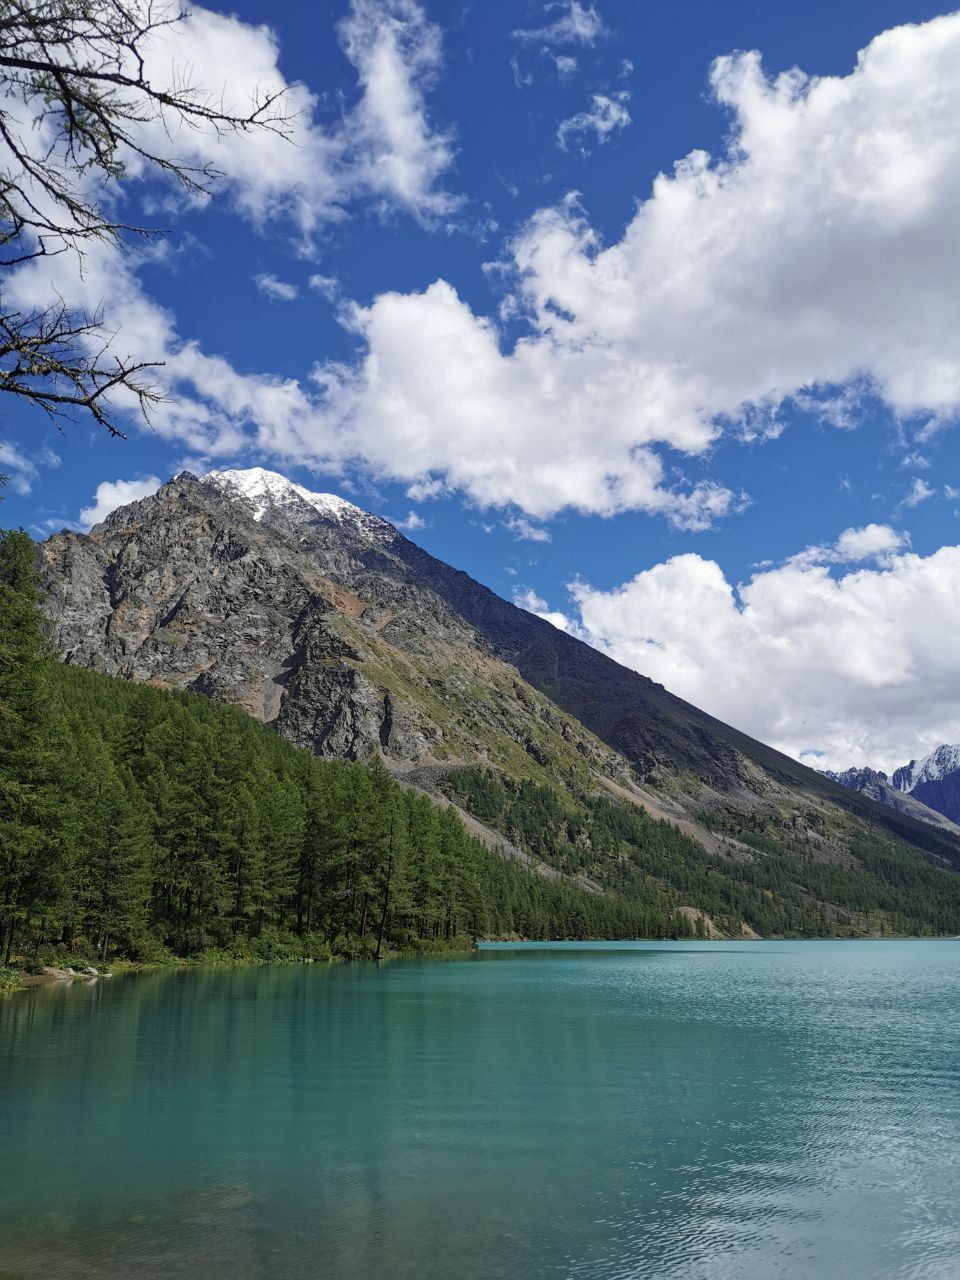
(598, 1112)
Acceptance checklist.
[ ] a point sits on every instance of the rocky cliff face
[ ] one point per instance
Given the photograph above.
(324, 621)
(299, 612)
(185, 590)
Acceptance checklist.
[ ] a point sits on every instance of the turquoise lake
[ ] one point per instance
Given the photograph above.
(698, 1110)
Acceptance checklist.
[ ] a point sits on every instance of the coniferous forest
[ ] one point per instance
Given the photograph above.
(147, 824)
(882, 887)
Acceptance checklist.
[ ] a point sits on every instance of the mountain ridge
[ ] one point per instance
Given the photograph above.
(875, 784)
(929, 787)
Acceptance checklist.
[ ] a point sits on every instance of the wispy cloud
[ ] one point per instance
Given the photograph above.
(276, 290)
(575, 23)
(526, 530)
(527, 598)
(522, 79)
(606, 116)
(410, 523)
(918, 492)
(23, 469)
(327, 286)
(395, 148)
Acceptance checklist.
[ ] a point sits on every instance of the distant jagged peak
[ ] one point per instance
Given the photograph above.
(268, 491)
(856, 779)
(937, 765)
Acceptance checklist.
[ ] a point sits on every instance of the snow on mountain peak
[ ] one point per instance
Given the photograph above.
(268, 490)
(932, 768)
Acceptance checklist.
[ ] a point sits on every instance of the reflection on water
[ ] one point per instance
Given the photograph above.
(699, 1110)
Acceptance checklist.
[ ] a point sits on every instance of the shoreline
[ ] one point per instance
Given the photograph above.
(18, 977)
(15, 978)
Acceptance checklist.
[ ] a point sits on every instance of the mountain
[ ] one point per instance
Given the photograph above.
(324, 622)
(928, 789)
(876, 785)
(934, 780)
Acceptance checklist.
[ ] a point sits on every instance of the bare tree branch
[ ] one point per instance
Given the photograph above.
(76, 100)
(62, 363)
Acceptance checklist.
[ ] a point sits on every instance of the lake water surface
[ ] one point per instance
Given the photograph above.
(699, 1110)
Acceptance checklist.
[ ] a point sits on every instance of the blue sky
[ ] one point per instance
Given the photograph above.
(741, 365)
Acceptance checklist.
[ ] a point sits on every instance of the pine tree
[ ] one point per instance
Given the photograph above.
(194, 887)
(120, 853)
(321, 890)
(282, 827)
(391, 887)
(237, 839)
(31, 868)
(425, 878)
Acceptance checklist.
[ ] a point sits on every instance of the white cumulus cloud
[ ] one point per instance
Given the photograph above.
(847, 668)
(543, 427)
(817, 258)
(385, 147)
(878, 542)
(395, 151)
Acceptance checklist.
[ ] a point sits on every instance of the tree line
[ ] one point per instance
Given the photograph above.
(145, 823)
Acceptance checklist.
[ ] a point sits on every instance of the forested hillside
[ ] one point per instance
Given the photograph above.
(144, 823)
(767, 877)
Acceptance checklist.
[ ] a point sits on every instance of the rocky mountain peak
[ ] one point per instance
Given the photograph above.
(935, 767)
(857, 779)
(928, 789)
(914, 804)
(267, 493)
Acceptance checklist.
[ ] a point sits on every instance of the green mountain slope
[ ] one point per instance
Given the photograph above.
(662, 736)
(167, 825)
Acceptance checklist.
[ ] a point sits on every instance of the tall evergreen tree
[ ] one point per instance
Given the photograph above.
(31, 870)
